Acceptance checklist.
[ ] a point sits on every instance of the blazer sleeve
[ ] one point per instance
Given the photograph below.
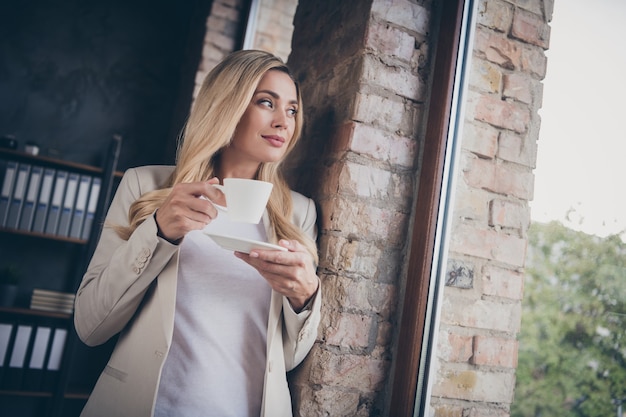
(300, 329)
(120, 272)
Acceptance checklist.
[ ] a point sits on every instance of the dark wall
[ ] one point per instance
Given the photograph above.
(75, 72)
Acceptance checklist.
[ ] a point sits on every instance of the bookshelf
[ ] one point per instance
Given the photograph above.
(44, 369)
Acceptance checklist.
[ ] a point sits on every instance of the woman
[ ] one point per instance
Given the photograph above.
(203, 332)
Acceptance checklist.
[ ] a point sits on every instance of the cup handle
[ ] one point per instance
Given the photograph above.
(217, 206)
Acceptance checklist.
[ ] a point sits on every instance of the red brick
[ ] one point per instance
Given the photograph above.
(227, 9)
(350, 371)
(486, 76)
(349, 331)
(472, 204)
(475, 386)
(480, 139)
(500, 282)
(530, 28)
(386, 112)
(500, 113)
(465, 310)
(477, 411)
(518, 86)
(489, 244)
(534, 61)
(493, 351)
(459, 348)
(319, 400)
(404, 14)
(361, 218)
(509, 214)
(498, 177)
(398, 79)
(495, 15)
(384, 146)
(390, 41)
(498, 49)
(518, 148)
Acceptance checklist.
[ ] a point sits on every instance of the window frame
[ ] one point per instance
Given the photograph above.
(419, 324)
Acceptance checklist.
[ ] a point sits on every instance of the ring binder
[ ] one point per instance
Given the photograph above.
(37, 347)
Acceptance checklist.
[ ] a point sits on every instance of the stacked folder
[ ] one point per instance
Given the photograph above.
(30, 356)
(49, 300)
(46, 200)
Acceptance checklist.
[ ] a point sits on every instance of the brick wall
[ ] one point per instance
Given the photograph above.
(223, 28)
(477, 346)
(364, 68)
(274, 27)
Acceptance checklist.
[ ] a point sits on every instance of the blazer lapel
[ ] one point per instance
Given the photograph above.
(269, 231)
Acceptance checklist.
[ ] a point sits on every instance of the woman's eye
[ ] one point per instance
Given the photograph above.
(292, 112)
(266, 102)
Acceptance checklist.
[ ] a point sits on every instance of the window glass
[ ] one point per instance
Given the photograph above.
(572, 348)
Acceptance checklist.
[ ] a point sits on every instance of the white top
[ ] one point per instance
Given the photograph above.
(216, 364)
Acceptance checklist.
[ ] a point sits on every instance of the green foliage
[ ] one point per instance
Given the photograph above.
(572, 348)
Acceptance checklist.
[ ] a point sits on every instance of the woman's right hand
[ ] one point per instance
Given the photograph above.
(183, 210)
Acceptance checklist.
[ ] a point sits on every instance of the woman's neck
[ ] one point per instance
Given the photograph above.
(225, 170)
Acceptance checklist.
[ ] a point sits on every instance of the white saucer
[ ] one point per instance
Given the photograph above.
(240, 244)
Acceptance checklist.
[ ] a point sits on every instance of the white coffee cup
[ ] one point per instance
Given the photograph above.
(246, 199)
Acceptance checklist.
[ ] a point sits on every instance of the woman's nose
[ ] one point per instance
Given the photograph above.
(280, 120)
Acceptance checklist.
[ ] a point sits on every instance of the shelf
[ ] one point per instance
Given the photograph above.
(21, 393)
(57, 262)
(52, 162)
(17, 311)
(42, 235)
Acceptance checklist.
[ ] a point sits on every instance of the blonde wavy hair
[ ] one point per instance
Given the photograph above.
(221, 102)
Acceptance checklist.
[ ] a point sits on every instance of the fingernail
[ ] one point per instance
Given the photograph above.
(254, 255)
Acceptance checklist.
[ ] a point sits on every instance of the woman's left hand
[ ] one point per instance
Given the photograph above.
(290, 272)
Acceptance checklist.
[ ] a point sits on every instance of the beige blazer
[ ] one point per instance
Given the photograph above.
(130, 288)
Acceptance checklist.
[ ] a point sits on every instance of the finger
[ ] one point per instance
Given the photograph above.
(184, 206)
(213, 193)
(277, 256)
(290, 281)
(189, 188)
(279, 266)
(202, 205)
(269, 268)
(292, 245)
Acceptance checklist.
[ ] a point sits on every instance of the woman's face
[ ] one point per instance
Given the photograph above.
(267, 126)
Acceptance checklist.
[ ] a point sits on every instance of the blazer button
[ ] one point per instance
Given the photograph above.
(136, 270)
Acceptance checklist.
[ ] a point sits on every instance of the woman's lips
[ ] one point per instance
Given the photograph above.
(274, 140)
